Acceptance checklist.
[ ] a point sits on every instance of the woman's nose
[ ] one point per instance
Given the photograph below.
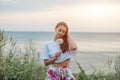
(60, 32)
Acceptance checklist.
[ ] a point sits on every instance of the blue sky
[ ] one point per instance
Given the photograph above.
(43, 15)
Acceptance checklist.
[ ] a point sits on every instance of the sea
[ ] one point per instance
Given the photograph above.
(97, 50)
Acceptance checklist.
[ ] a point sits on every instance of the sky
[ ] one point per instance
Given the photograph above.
(43, 15)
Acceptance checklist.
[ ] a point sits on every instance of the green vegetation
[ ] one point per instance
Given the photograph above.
(14, 66)
(18, 64)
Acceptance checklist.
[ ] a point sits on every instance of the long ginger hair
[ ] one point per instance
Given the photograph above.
(64, 46)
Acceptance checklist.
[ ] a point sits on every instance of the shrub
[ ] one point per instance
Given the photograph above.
(22, 66)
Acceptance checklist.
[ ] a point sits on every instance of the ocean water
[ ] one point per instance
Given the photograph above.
(95, 49)
(86, 41)
(77, 36)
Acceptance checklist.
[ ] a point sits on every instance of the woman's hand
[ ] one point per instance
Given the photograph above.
(68, 35)
(52, 60)
(57, 54)
(71, 42)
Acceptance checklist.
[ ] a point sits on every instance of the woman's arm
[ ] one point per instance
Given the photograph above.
(49, 61)
(72, 44)
(52, 60)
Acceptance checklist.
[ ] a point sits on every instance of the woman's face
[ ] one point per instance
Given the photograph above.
(60, 31)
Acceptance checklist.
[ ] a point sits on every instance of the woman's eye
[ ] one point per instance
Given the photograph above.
(63, 31)
(59, 30)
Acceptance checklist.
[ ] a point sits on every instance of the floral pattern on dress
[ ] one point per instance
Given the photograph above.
(59, 73)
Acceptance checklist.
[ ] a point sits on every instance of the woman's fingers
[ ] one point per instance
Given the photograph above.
(57, 54)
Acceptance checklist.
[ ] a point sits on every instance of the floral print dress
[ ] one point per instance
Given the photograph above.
(59, 73)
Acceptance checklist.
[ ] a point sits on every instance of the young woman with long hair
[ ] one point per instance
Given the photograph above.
(57, 52)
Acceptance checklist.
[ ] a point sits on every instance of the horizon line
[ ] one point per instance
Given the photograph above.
(53, 31)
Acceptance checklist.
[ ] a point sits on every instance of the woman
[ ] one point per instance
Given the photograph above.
(57, 54)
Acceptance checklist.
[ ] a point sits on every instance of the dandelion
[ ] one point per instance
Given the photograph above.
(59, 41)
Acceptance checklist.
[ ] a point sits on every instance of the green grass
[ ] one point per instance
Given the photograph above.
(14, 66)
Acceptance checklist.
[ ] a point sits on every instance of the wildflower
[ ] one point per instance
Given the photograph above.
(59, 41)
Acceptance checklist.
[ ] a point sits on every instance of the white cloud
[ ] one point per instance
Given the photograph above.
(82, 17)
